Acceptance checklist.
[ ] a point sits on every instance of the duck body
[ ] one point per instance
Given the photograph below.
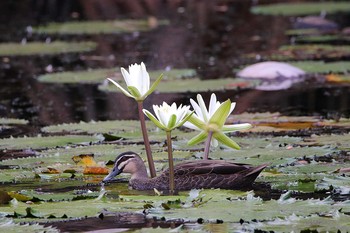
(188, 175)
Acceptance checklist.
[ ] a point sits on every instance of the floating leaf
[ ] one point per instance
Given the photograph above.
(44, 142)
(306, 52)
(12, 121)
(39, 48)
(301, 8)
(97, 27)
(99, 75)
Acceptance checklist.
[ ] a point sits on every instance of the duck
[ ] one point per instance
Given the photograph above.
(196, 174)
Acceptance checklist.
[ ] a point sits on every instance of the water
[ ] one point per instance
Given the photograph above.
(209, 38)
(206, 37)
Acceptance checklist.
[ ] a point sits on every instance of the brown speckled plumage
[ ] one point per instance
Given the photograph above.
(189, 175)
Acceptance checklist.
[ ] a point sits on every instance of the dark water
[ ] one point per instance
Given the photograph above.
(202, 35)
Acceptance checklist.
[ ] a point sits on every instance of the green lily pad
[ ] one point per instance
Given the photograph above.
(306, 52)
(176, 80)
(40, 48)
(100, 75)
(12, 121)
(301, 8)
(44, 142)
(125, 130)
(99, 27)
(322, 39)
(302, 32)
(8, 225)
(322, 67)
(196, 85)
(341, 141)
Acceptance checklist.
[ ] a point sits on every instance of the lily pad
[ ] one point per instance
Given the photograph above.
(176, 80)
(12, 121)
(301, 8)
(44, 142)
(100, 75)
(99, 27)
(8, 225)
(196, 85)
(275, 122)
(322, 67)
(306, 52)
(40, 48)
(303, 32)
(322, 39)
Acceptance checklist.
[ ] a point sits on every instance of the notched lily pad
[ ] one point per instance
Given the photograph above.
(40, 48)
(100, 27)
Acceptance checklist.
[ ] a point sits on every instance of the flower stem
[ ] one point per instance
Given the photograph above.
(171, 163)
(207, 145)
(146, 140)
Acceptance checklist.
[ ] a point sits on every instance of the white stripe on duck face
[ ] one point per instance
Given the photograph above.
(123, 160)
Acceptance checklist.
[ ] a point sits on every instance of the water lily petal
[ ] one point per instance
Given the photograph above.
(233, 105)
(172, 122)
(153, 87)
(198, 123)
(224, 139)
(145, 79)
(203, 108)
(197, 109)
(120, 88)
(134, 92)
(236, 127)
(212, 105)
(221, 114)
(164, 114)
(197, 139)
(214, 142)
(126, 76)
(153, 119)
(185, 119)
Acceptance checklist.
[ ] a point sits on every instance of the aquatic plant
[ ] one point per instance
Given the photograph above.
(138, 85)
(169, 117)
(211, 123)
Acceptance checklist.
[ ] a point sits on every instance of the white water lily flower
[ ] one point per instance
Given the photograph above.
(213, 120)
(168, 117)
(137, 81)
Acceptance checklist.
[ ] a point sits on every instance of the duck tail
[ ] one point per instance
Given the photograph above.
(256, 171)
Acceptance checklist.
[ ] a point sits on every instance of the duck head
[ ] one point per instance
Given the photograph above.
(127, 162)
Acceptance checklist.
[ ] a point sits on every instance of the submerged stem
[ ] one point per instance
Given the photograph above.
(207, 145)
(171, 163)
(146, 140)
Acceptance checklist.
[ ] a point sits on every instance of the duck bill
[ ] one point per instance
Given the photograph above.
(112, 174)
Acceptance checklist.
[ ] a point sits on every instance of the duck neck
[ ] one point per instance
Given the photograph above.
(140, 173)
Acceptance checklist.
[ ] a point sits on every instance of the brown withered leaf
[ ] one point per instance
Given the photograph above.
(51, 170)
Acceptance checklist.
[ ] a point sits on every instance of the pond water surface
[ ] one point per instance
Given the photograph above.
(210, 37)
